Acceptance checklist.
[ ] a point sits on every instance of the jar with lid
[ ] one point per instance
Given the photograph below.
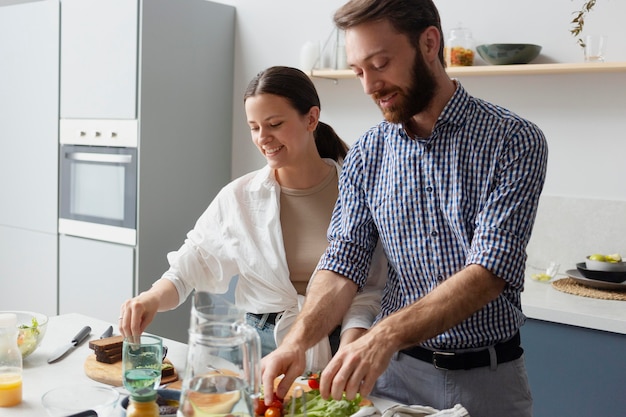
(460, 48)
(142, 406)
(10, 362)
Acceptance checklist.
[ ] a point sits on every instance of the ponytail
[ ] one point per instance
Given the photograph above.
(329, 144)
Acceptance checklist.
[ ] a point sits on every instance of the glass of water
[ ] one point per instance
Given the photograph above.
(142, 358)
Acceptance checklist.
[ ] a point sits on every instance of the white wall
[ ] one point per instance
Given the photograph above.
(583, 116)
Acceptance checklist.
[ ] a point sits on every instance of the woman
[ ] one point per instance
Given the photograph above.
(268, 226)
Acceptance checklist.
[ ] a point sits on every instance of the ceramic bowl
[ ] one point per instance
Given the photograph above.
(165, 398)
(607, 276)
(605, 266)
(73, 399)
(508, 53)
(29, 336)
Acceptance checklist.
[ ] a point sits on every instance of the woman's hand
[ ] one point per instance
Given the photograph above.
(138, 312)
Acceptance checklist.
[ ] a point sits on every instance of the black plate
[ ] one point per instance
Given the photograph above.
(605, 276)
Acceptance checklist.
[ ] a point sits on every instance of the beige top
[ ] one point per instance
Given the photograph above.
(304, 217)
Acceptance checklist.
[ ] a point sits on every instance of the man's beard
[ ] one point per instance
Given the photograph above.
(418, 96)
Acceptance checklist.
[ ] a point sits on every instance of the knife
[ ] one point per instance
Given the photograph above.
(107, 333)
(65, 349)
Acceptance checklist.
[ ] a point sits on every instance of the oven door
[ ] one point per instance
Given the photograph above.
(98, 193)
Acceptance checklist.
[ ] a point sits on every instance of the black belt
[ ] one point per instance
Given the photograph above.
(505, 352)
(271, 317)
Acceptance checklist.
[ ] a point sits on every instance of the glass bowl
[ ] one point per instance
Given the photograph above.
(72, 399)
(31, 330)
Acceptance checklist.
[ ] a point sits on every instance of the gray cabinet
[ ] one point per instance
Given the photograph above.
(29, 61)
(182, 101)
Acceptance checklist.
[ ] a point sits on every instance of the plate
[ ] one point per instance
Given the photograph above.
(603, 285)
(608, 276)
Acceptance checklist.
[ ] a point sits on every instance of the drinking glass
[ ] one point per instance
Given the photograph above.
(142, 358)
(222, 374)
(595, 48)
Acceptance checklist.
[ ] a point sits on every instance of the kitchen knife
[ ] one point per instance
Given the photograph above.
(107, 333)
(65, 349)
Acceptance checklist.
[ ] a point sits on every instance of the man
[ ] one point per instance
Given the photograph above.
(449, 184)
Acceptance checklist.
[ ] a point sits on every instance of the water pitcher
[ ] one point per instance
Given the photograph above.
(223, 371)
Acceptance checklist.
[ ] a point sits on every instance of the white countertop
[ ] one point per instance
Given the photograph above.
(39, 376)
(541, 301)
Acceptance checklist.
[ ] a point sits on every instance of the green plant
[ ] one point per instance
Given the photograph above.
(579, 20)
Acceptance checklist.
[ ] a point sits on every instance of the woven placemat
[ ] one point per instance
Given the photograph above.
(570, 286)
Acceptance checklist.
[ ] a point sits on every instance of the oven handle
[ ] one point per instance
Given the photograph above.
(99, 157)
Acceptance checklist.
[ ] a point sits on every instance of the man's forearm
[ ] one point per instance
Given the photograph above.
(449, 304)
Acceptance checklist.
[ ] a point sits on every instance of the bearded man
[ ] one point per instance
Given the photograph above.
(449, 184)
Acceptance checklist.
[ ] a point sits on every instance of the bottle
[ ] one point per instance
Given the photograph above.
(10, 362)
(460, 48)
(142, 406)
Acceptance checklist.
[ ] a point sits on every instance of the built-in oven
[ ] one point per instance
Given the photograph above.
(98, 179)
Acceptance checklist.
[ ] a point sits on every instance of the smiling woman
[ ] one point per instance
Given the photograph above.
(267, 227)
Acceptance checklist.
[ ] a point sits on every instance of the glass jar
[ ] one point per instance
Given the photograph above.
(145, 406)
(10, 362)
(460, 48)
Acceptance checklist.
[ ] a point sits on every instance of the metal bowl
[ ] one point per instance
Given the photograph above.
(508, 53)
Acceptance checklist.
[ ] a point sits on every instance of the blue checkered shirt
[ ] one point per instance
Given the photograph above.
(467, 194)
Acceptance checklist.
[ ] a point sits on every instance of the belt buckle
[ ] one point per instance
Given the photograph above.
(443, 355)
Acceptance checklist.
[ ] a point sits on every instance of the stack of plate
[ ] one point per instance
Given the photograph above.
(608, 280)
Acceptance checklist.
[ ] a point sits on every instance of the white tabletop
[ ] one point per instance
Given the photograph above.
(39, 376)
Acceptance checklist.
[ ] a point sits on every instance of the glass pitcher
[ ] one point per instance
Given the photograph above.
(223, 370)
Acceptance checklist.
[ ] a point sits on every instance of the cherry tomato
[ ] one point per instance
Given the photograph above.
(276, 403)
(314, 380)
(273, 412)
(260, 407)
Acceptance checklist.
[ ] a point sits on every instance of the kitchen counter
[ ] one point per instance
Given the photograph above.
(39, 376)
(541, 301)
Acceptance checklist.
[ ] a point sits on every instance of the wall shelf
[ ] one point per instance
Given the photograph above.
(488, 70)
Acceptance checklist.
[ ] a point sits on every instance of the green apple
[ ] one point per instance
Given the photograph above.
(597, 257)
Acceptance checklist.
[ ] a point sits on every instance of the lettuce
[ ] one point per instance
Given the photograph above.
(316, 406)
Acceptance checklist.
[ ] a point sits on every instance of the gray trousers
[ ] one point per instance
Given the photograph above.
(498, 391)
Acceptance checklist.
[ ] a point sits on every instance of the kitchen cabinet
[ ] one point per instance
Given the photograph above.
(29, 62)
(96, 276)
(521, 69)
(99, 41)
(574, 371)
(168, 64)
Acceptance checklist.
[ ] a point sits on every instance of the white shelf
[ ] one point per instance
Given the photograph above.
(489, 70)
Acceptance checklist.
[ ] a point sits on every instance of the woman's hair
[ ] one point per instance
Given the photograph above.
(297, 87)
(409, 17)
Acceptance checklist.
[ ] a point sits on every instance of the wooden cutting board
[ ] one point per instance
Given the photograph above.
(111, 373)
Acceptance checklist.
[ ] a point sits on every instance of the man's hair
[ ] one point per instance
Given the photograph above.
(409, 17)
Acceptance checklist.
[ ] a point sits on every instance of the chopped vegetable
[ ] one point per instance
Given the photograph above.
(316, 406)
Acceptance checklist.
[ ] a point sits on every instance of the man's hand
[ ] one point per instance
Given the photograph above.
(356, 366)
(287, 361)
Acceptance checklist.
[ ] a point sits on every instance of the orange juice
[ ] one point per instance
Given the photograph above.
(10, 390)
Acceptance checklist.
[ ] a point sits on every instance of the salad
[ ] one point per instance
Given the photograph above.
(27, 337)
(309, 404)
